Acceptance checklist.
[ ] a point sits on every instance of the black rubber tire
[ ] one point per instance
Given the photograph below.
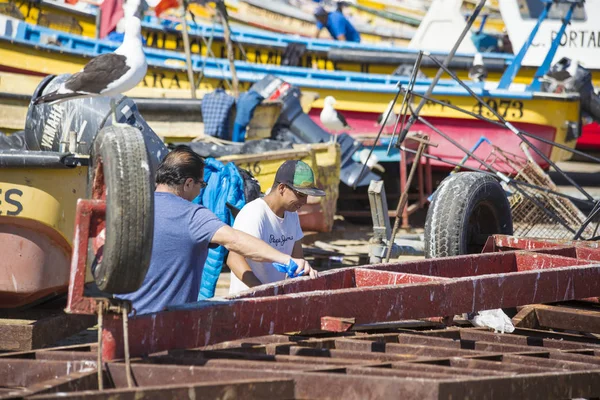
(466, 209)
(129, 208)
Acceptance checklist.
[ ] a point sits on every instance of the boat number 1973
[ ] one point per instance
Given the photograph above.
(506, 108)
(9, 202)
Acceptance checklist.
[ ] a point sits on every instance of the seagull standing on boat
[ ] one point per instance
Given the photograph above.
(107, 74)
(391, 119)
(478, 72)
(331, 118)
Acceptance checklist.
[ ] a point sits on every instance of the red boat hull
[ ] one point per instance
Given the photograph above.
(464, 131)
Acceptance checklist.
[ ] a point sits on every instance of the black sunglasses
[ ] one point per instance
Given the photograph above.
(298, 194)
(203, 184)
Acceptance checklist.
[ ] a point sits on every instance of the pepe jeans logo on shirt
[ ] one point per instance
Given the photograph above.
(280, 241)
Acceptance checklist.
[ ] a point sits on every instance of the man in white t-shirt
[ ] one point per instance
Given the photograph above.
(274, 219)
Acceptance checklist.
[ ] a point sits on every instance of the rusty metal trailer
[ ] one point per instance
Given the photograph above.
(351, 333)
(409, 360)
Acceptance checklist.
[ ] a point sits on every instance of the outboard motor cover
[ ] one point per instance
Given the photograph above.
(306, 130)
(72, 125)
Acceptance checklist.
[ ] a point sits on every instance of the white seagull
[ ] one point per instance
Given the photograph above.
(331, 118)
(478, 72)
(391, 119)
(107, 74)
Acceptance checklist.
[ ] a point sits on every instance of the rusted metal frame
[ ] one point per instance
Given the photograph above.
(448, 267)
(568, 319)
(547, 386)
(485, 336)
(23, 373)
(571, 337)
(552, 352)
(250, 389)
(354, 386)
(307, 384)
(242, 318)
(483, 365)
(529, 336)
(89, 221)
(508, 242)
(481, 264)
(406, 339)
(297, 363)
(365, 277)
(405, 373)
(74, 382)
(74, 353)
(547, 362)
(461, 369)
(403, 349)
(426, 371)
(371, 357)
(259, 340)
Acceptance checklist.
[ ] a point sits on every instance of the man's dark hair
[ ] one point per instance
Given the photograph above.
(180, 164)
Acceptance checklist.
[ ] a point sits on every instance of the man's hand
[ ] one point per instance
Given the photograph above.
(305, 268)
(296, 267)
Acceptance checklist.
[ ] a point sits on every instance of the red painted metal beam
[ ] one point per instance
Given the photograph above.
(89, 222)
(556, 279)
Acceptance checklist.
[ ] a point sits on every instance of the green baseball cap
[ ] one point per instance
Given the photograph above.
(299, 176)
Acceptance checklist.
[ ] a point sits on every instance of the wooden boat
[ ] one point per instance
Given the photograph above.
(361, 96)
(281, 17)
(260, 47)
(36, 227)
(263, 47)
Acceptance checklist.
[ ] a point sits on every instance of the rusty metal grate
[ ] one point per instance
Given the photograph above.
(530, 219)
(413, 360)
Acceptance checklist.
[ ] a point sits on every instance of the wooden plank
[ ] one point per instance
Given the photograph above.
(27, 334)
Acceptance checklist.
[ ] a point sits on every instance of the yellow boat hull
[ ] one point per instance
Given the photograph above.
(254, 54)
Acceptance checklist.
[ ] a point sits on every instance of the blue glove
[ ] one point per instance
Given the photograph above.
(289, 269)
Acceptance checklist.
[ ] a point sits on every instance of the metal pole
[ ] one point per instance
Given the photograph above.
(188, 53)
(222, 11)
(440, 72)
(383, 122)
(404, 199)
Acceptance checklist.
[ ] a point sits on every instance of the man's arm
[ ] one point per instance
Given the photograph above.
(250, 247)
(242, 270)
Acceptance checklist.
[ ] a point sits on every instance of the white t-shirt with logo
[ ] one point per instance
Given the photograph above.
(257, 219)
